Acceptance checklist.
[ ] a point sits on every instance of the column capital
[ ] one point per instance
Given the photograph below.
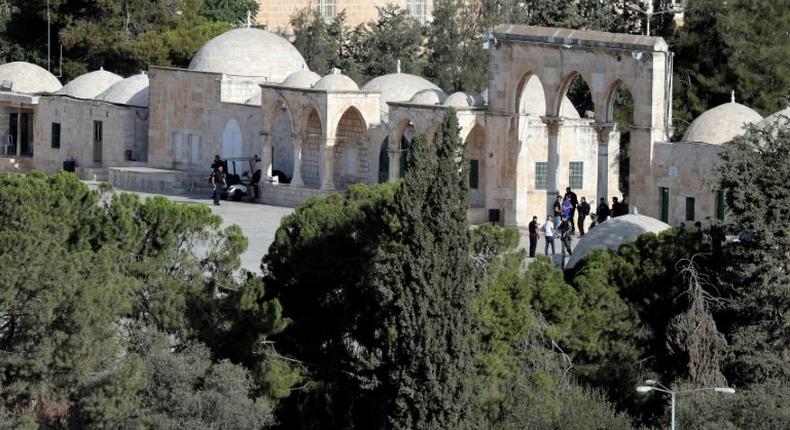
(328, 142)
(602, 129)
(552, 122)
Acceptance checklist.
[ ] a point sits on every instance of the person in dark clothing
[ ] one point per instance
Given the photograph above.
(218, 182)
(217, 162)
(618, 208)
(574, 203)
(557, 211)
(584, 210)
(565, 234)
(533, 236)
(602, 212)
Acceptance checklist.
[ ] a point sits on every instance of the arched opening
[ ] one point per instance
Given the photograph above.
(475, 144)
(231, 140)
(282, 141)
(405, 145)
(310, 148)
(576, 98)
(350, 151)
(384, 161)
(531, 97)
(620, 110)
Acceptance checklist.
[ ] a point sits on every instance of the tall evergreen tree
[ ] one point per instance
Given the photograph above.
(431, 356)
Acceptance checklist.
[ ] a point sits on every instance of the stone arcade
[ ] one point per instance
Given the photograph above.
(249, 92)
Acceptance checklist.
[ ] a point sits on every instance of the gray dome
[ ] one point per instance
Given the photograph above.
(460, 99)
(90, 84)
(397, 87)
(721, 124)
(775, 117)
(249, 52)
(336, 81)
(130, 91)
(614, 232)
(302, 79)
(29, 78)
(429, 97)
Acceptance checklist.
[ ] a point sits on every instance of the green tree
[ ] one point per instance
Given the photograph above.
(230, 11)
(753, 171)
(394, 36)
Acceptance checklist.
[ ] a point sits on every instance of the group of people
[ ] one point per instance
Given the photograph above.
(562, 220)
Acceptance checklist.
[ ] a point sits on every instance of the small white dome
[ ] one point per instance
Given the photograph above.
(249, 52)
(429, 97)
(336, 81)
(130, 91)
(775, 117)
(90, 84)
(397, 87)
(459, 99)
(29, 78)
(614, 232)
(721, 124)
(302, 79)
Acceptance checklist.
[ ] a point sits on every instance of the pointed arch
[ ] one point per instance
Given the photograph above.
(531, 95)
(565, 85)
(231, 139)
(475, 146)
(350, 151)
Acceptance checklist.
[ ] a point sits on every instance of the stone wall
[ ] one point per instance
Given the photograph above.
(287, 196)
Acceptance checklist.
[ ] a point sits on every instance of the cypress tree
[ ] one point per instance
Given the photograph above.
(431, 374)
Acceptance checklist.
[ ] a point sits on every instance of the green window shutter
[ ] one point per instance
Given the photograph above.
(56, 135)
(541, 174)
(576, 174)
(474, 174)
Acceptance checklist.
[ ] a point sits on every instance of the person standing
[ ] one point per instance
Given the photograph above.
(219, 183)
(602, 212)
(548, 235)
(217, 162)
(584, 210)
(557, 211)
(574, 204)
(565, 234)
(618, 208)
(533, 236)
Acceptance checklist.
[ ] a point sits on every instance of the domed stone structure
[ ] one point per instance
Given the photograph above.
(721, 124)
(29, 78)
(397, 87)
(429, 97)
(614, 232)
(775, 117)
(131, 91)
(460, 99)
(302, 79)
(336, 81)
(249, 52)
(90, 84)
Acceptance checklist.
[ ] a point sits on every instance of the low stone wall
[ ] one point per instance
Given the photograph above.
(287, 196)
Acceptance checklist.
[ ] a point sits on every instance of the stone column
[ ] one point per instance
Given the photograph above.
(296, 180)
(327, 164)
(642, 194)
(553, 126)
(394, 156)
(18, 137)
(603, 131)
(266, 154)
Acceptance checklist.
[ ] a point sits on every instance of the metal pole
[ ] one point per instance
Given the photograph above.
(672, 395)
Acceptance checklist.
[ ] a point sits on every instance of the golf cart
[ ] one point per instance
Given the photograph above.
(244, 184)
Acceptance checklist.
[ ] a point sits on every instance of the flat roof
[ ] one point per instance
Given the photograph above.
(578, 38)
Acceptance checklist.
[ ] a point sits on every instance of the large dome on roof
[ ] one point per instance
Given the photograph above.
(28, 78)
(429, 97)
(130, 91)
(721, 124)
(336, 81)
(775, 117)
(460, 99)
(614, 232)
(397, 87)
(90, 84)
(302, 79)
(249, 52)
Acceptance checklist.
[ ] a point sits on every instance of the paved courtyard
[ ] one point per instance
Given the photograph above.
(260, 222)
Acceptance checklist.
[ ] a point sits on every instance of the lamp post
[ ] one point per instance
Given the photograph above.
(652, 385)
(649, 12)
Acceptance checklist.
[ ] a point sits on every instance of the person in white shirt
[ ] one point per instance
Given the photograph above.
(548, 234)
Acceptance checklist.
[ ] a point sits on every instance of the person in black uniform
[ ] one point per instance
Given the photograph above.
(584, 210)
(574, 204)
(533, 236)
(603, 211)
(565, 234)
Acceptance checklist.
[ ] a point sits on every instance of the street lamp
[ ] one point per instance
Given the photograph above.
(649, 12)
(652, 385)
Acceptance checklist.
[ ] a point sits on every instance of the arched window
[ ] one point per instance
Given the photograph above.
(384, 161)
(231, 140)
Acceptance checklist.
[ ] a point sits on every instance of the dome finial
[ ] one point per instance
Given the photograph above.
(732, 96)
(397, 69)
(249, 18)
(335, 71)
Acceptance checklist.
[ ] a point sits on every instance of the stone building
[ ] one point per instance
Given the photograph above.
(248, 92)
(275, 15)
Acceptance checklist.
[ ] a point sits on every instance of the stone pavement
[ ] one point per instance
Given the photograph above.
(260, 222)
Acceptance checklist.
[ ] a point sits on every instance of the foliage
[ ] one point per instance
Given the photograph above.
(312, 37)
(394, 36)
(230, 11)
(754, 170)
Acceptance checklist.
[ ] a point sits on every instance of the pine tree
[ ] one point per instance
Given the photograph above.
(431, 372)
